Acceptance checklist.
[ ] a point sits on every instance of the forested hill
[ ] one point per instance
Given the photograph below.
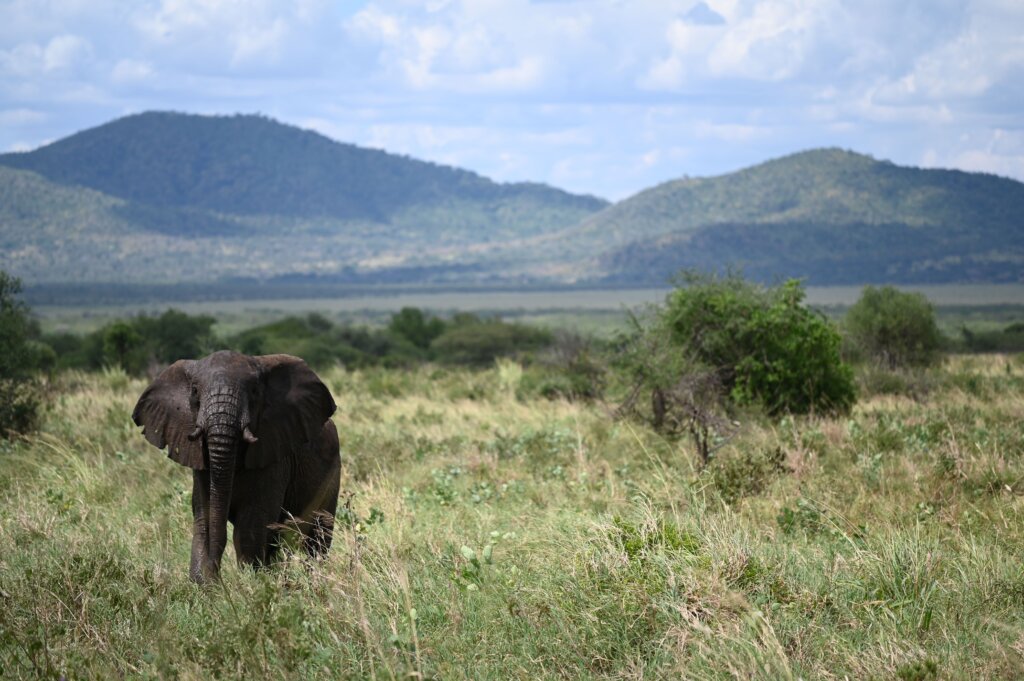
(830, 215)
(280, 200)
(165, 198)
(252, 165)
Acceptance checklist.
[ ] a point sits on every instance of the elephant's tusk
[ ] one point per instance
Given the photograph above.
(248, 436)
(194, 435)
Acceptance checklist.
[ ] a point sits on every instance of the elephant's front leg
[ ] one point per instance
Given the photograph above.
(200, 525)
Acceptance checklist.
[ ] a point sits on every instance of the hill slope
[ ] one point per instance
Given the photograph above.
(166, 198)
(287, 200)
(829, 215)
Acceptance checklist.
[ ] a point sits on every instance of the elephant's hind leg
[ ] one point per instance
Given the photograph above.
(317, 541)
(255, 511)
(251, 539)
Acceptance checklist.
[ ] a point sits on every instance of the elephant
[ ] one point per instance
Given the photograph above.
(258, 436)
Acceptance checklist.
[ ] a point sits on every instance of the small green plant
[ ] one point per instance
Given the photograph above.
(639, 540)
(746, 472)
(347, 516)
(922, 670)
(472, 571)
(808, 517)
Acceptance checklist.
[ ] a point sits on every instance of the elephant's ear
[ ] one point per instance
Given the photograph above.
(165, 416)
(296, 404)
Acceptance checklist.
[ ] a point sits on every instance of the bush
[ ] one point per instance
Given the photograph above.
(894, 328)
(1007, 340)
(571, 369)
(747, 472)
(20, 405)
(480, 343)
(671, 390)
(764, 344)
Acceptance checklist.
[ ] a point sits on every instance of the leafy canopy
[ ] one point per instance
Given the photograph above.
(767, 347)
(895, 328)
(19, 402)
(15, 329)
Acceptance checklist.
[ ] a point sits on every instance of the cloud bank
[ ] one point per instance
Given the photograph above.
(598, 96)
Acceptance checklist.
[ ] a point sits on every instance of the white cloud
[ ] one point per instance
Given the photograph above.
(131, 71)
(729, 132)
(234, 35)
(60, 54)
(1000, 152)
(603, 96)
(65, 52)
(15, 117)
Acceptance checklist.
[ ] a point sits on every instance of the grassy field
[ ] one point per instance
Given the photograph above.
(492, 534)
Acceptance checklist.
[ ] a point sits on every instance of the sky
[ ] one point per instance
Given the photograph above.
(605, 97)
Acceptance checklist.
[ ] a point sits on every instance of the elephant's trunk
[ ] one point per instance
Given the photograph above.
(222, 433)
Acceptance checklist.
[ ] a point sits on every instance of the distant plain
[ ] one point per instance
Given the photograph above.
(980, 306)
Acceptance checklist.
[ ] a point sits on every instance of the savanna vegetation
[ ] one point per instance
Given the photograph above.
(508, 518)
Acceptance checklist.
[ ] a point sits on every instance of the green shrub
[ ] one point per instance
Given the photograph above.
(894, 328)
(1009, 339)
(765, 345)
(479, 344)
(746, 473)
(20, 404)
(572, 369)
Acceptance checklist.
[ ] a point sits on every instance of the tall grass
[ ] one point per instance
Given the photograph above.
(486, 535)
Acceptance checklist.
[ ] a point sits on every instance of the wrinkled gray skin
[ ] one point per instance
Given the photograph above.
(257, 434)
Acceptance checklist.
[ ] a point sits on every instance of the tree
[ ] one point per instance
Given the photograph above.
(410, 323)
(176, 335)
(15, 328)
(895, 328)
(19, 401)
(119, 340)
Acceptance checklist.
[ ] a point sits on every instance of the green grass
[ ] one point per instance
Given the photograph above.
(490, 534)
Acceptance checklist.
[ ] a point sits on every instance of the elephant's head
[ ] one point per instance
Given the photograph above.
(230, 410)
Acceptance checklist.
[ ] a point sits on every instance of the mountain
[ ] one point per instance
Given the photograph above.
(831, 216)
(252, 185)
(167, 198)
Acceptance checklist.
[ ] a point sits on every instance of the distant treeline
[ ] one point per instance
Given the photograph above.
(412, 336)
(139, 343)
